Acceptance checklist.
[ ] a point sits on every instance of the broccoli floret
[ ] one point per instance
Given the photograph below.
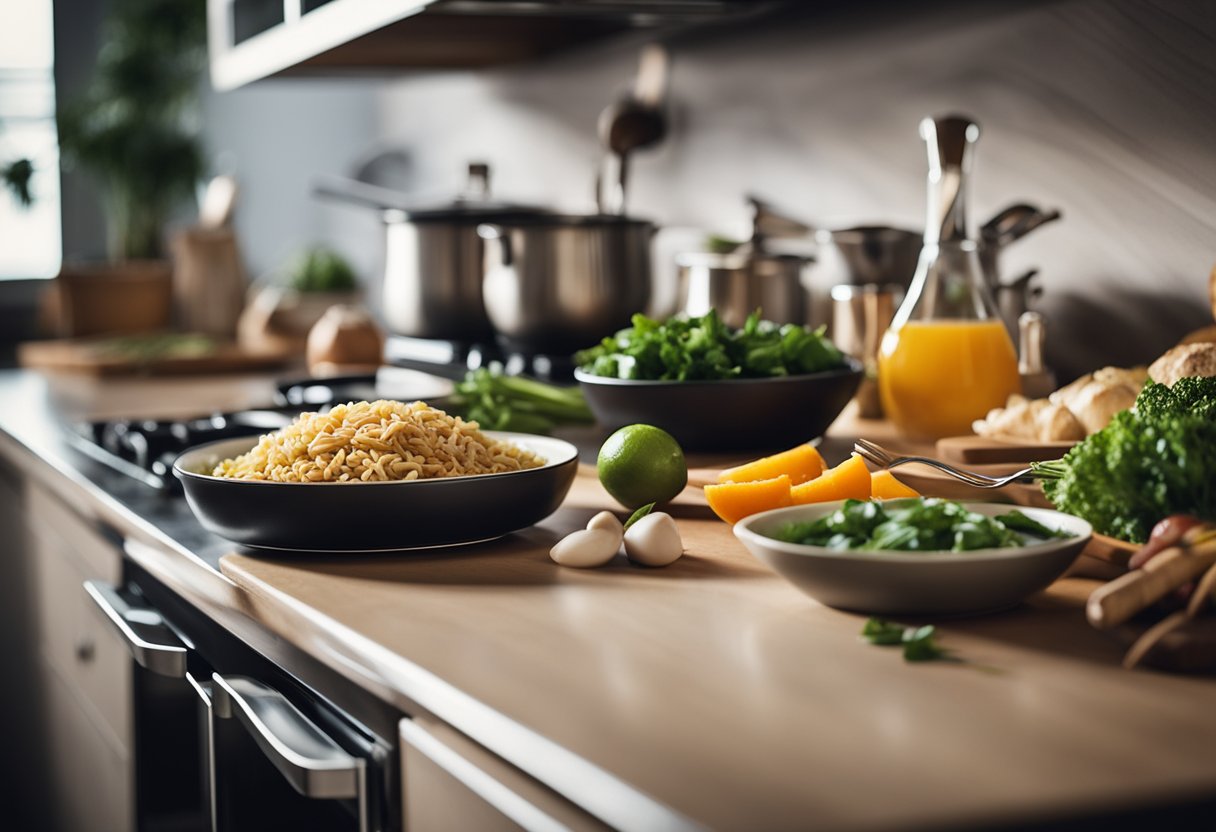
(1147, 464)
(1195, 395)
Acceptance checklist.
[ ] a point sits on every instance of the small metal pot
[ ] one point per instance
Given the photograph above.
(555, 284)
(738, 284)
(432, 277)
(433, 264)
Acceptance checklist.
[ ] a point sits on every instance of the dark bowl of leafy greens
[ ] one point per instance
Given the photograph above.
(714, 387)
(919, 556)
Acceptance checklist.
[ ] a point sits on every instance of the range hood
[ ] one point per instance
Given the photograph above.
(254, 39)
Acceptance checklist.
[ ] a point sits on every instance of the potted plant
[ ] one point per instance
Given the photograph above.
(289, 303)
(131, 130)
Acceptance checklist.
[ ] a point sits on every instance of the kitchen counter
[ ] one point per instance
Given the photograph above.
(710, 693)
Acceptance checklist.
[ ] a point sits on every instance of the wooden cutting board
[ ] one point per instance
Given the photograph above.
(983, 450)
(1189, 649)
(96, 357)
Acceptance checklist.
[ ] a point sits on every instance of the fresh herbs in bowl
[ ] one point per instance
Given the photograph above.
(915, 556)
(916, 525)
(704, 348)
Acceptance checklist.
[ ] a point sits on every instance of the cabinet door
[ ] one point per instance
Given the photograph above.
(90, 778)
(450, 784)
(74, 639)
(87, 673)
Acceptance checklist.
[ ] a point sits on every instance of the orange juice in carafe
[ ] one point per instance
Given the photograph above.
(947, 359)
(936, 377)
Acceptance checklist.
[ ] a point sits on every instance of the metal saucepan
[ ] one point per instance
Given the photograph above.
(880, 255)
(737, 284)
(555, 284)
(750, 277)
(433, 265)
(873, 255)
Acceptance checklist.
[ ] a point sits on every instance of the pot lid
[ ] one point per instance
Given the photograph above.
(472, 205)
(469, 211)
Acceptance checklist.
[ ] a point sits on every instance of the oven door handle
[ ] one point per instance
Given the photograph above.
(137, 625)
(307, 757)
(207, 731)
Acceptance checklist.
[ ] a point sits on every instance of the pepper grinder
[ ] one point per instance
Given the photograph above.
(1037, 381)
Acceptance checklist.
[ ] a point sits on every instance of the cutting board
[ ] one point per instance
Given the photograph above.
(983, 450)
(94, 357)
(1189, 649)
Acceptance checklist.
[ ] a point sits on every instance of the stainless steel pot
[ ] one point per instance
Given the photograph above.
(432, 280)
(738, 284)
(880, 255)
(556, 284)
(433, 263)
(751, 276)
(872, 255)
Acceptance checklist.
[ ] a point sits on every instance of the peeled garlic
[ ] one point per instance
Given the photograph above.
(654, 540)
(607, 521)
(586, 548)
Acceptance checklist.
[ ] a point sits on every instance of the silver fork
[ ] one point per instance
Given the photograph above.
(884, 459)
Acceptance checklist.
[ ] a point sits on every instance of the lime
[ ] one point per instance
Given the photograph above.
(642, 464)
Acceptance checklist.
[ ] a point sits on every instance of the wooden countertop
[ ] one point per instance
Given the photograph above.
(727, 696)
(708, 693)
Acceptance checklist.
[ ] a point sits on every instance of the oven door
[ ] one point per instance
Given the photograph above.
(275, 767)
(226, 739)
(171, 791)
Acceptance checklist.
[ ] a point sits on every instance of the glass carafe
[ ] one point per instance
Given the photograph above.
(946, 359)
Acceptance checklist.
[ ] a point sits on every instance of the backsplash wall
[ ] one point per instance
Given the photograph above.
(1102, 109)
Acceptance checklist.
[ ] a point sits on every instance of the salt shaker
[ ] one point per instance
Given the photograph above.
(1037, 381)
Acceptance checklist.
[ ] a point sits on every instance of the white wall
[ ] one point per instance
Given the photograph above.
(276, 136)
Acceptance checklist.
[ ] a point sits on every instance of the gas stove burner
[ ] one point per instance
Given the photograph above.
(145, 449)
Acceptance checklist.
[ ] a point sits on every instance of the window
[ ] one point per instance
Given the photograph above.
(30, 243)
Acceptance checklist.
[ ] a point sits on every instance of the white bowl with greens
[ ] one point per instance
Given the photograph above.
(916, 556)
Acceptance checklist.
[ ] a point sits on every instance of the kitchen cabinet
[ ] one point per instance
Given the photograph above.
(90, 777)
(253, 39)
(448, 783)
(85, 672)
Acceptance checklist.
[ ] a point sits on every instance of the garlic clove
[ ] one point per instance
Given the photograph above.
(586, 548)
(654, 540)
(608, 521)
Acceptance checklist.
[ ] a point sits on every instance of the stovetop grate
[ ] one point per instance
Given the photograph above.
(146, 448)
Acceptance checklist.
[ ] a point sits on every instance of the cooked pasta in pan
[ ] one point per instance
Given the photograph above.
(376, 441)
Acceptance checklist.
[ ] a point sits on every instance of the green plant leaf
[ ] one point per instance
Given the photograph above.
(639, 514)
(919, 645)
(883, 633)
